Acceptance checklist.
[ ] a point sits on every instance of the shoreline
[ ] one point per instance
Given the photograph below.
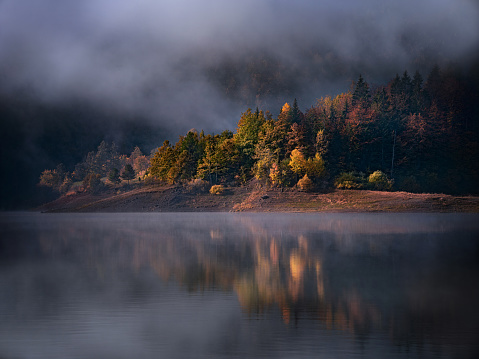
(255, 198)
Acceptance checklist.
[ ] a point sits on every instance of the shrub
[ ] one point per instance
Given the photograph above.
(197, 186)
(217, 189)
(379, 181)
(350, 180)
(305, 184)
(410, 184)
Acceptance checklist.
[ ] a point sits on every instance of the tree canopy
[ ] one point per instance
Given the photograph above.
(408, 134)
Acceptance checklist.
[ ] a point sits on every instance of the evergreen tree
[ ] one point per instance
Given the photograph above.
(361, 92)
(114, 176)
(128, 173)
(162, 162)
(296, 114)
(417, 95)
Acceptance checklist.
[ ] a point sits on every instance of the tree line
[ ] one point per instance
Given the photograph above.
(411, 134)
(105, 162)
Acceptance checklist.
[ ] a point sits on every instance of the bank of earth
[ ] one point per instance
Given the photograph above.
(255, 198)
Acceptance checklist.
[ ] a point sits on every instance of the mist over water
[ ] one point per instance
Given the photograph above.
(238, 285)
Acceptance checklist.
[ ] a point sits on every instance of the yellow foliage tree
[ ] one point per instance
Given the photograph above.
(297, 163)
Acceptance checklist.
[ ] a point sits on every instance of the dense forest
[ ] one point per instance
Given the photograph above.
(412, 134)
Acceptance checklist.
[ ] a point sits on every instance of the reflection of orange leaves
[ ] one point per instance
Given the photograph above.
(319, 279)
(303, 244)
(216, 235)
(340, 319)
(296, 265)
(286, 314)
(274, 252)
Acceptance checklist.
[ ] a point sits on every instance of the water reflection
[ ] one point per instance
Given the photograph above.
(338, 285)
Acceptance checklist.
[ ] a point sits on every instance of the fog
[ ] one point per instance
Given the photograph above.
(73, 73)
(163, 60)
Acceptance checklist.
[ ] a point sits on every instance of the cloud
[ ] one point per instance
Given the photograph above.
(193, 63)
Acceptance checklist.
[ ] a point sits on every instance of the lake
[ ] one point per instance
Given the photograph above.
(228, 285)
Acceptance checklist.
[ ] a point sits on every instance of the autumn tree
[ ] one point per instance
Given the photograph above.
(162, 162)
(286, 114)
(92, 183)
(313, 167)
(51, 178)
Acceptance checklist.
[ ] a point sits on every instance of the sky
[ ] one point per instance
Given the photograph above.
(108, 68)
(163, 60)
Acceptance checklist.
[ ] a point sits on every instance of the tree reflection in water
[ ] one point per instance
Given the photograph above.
(410, 277)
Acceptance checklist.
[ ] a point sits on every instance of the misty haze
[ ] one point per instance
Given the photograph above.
(238, 285)
(344, 136)
(74, 74)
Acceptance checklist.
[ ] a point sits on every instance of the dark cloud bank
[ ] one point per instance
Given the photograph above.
(75, 72)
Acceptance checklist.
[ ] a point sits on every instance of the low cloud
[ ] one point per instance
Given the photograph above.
(183, 64)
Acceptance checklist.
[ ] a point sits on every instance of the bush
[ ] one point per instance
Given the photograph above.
(305, 184)
(197, 186)
(379, 181)
(217, 189)
(350, 180)
(410, 184)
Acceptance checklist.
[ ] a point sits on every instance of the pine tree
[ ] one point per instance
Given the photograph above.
(114, 176)
(128, 173)
(361, 92)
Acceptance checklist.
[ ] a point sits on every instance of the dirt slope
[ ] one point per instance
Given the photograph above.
(255, 198)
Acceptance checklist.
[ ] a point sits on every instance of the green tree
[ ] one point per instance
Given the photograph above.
(296, 115)
(246, 138)
(247, 132)
(162, 162)
(128, 173)
(264, 162)
(222, 160)
(361, 92)
(114, 176)
(189, 152)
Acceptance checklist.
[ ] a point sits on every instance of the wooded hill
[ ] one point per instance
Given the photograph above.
(411, 135)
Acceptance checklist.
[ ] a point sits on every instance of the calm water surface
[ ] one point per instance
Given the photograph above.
(226, 285)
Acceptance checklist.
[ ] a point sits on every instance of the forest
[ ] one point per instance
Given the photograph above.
(411, 134)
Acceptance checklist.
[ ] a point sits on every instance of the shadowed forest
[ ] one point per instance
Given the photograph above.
(412, 134)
